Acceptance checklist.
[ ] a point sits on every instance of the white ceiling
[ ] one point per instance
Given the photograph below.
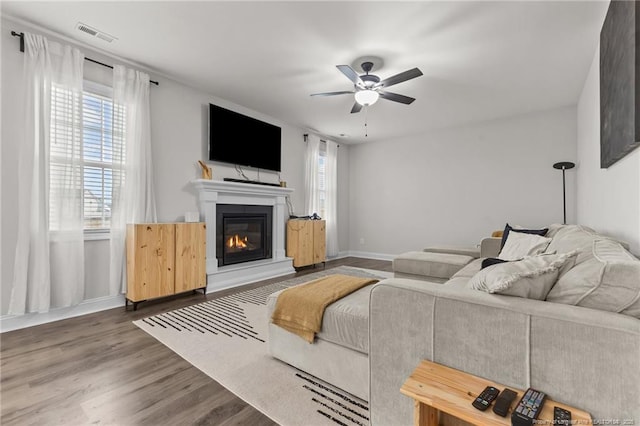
(481, 60)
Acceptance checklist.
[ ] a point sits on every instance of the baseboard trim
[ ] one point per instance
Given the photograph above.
(340, 255)
(16, 322)
(370, 255)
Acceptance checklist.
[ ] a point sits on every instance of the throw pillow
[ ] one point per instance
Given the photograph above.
(490, 261)
(605, 277)
(508, 228)
(521, 245)
(531, 278)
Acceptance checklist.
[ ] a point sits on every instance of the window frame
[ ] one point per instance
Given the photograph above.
(322, 178)
(95, 88)
(90, 234)
(107, 92)
(102, 90)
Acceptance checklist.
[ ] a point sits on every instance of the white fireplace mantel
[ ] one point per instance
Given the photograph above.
(213, 192)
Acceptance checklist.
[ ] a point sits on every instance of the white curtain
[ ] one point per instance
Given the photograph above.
(49, 261)
(331, 198)
(133, 194)
(312, 178)
(314, 187)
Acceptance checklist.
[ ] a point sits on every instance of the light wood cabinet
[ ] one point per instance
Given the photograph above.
(306, 242)
(164, 259)
(191, 247)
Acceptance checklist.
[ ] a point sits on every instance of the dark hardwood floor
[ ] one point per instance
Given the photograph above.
(102, 369)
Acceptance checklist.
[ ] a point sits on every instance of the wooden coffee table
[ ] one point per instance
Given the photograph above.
(436, 388)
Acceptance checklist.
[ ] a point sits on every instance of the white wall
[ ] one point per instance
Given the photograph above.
(179, 120)
(456, 186)
(608, 199)
(343, 198)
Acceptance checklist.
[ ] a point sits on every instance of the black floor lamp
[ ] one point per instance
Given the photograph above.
(564, 165)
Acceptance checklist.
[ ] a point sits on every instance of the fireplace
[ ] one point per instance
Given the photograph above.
(213, 194)
(243, 233)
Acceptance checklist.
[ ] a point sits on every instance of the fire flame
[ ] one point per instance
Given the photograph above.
(237, 242)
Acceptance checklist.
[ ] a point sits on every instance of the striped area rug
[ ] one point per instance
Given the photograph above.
(226, 338)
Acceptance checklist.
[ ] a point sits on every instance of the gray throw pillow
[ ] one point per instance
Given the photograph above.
(531, 277)
(605, 277)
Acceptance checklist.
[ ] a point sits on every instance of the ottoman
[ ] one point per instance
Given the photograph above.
(429, 266)
(339, 354)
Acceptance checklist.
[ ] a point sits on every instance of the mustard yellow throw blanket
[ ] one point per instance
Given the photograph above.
(300, 309)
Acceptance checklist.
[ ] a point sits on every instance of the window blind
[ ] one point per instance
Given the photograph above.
(87, 146)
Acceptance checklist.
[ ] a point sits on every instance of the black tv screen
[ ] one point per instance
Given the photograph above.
(237, 139)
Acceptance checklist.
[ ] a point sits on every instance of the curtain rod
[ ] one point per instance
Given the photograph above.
(21, 35)
(306, 137)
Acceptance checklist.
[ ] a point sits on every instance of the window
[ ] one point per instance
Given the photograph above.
(322, 185)
(92, 138)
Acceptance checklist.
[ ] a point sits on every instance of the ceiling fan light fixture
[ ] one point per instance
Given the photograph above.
(367, 97)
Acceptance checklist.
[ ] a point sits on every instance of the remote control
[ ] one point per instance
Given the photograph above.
(483, 401)
(561, 416)
(528, 408)
(503, 402)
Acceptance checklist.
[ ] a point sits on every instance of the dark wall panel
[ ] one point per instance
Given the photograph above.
(619, 82)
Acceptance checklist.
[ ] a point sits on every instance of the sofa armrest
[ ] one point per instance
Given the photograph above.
(574, 354)
(490, 247)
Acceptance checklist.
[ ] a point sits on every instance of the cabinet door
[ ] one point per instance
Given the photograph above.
(319, 241)
(191, 248)
(150, 260)
(300, 242)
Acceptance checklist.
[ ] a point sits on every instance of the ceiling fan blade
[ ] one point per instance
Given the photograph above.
(399, 78)
(351, 74)
(333, 93)
(396, 97)
(356, 108)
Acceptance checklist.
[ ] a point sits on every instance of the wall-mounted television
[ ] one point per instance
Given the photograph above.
(237, 139)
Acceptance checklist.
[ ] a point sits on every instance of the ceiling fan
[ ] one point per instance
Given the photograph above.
(368, 87)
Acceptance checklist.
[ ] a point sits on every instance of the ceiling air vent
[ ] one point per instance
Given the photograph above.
(105, 37)
(94, 32)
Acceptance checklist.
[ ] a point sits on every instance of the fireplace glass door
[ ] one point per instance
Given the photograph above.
(244, 238)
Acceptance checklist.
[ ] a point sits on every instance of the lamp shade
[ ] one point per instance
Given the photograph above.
(367, 97)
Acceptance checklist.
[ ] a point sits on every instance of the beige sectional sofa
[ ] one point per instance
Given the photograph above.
(576, 346)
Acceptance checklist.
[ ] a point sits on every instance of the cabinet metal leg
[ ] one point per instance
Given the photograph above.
(134, 304)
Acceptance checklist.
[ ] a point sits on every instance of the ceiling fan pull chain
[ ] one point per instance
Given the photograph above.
(366, 119)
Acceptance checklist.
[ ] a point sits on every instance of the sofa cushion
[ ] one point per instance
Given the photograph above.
(435, 280)
(462, 277)
(438, 265)
(464, 251)
(565, 238)
(605, 276)
(469, 270)
(531, 278)
(345, 321)
(520, 245)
